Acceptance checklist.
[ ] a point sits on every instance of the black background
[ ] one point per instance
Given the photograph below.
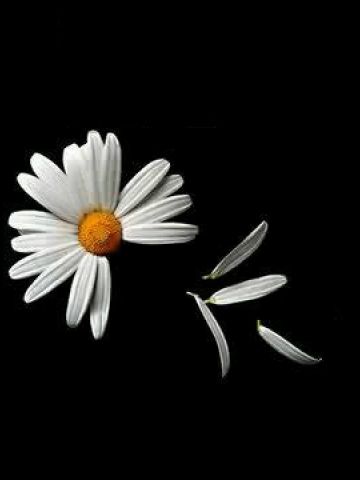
(251, 113)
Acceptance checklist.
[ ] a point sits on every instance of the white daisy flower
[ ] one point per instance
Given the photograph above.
(87, 219)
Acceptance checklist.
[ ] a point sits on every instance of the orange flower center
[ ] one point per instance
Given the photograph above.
(100, 233)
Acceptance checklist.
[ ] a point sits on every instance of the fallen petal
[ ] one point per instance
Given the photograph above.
(240, 253)
(248, 290)
(217, 332)
(284, 347)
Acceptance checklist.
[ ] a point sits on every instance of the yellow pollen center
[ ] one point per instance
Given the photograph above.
(100, 233)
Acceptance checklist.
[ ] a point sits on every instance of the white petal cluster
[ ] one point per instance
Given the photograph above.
(245, 291)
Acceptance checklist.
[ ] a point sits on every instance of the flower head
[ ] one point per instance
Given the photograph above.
(88, 218)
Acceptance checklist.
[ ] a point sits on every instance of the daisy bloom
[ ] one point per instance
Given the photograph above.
(88, 218)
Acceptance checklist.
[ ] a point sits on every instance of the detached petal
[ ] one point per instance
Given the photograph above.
(141, 185)
(81, 289)
(160, 233)
(284, 347)
(217, 333)
(158, 211)
(100, 305)
(241, 252)
(249, 290)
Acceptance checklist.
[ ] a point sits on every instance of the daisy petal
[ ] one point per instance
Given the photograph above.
(37, 221)
(158, 211)
(100, 305)
(81, 289)
(71, 155)
(241, 252)
(54, 275)
(39, 261)
(249, 290)
(169, 185)
(160, 233)
(96, 145)
(110, 173)
(284, 347)
(75, 166)
(91, 152)
(51, 198)
(34, 242)
(217, 333)
(141, 185)
(56, 179)
(46, 170)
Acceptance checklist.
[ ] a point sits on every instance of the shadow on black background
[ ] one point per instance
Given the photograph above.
(254, 128)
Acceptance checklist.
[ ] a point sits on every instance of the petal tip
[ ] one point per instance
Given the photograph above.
(71, 324)
(93, 133)
(20, 178)
(28, 298)
(165, 163)
(97, 335)
(110, 136)
(10, 219)
(71, 147)
(191, 294)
